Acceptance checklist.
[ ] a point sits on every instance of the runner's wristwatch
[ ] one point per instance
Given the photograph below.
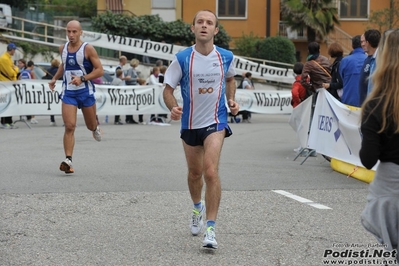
(82, 78)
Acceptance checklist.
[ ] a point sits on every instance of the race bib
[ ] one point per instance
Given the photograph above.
(68, 76)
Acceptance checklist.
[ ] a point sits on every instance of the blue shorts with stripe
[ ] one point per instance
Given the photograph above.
(79, 100)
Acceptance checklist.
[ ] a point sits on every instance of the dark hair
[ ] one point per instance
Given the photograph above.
(23, 61)
(356, 42)
(298, 68)
(248, 75)
(30, 63)
(372, 37)
(335, 50)
(314, 48)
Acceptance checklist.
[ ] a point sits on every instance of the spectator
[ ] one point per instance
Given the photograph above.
(159, 63)
(122, 63)
(21, 66)
(133, 80)
(349, 71)
(153, 80)
(316, 70)
(117, 81)
(132, 72)
(247, 84)
(371, 39)
(298, 91)
(335, 86)
(161, 76)
(380, 142)
(28, 73)
(8, 72)
(50, 72)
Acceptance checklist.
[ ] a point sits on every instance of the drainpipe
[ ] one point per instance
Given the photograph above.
(268, 7)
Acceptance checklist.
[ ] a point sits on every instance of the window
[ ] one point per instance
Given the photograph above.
(232, 8)
(354, 9)
(115, 6)
(163, 3)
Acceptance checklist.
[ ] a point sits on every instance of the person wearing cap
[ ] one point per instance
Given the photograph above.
(8, 72)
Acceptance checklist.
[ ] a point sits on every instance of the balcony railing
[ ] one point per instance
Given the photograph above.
(286, 31)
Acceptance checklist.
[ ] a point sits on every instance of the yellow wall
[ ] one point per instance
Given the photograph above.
(256, 21)
(139, 7)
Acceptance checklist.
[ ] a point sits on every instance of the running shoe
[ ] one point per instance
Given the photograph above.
(66, 166)
(209, 238)
(97, 134)
(197, 222)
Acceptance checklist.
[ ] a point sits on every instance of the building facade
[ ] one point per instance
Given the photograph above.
(261, 17)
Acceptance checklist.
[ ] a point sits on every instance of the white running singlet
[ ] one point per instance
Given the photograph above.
(202, 82)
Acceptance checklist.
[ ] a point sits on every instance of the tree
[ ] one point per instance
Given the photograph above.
(81, 8)
(386, 18)
(317, 16)
(278, 49)
(21, 4)
(245, 45)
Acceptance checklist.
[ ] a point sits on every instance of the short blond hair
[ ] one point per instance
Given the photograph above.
(55, 63)
(122, 58)
(134, 62)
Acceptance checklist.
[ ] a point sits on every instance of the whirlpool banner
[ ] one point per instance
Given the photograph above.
(32, 97)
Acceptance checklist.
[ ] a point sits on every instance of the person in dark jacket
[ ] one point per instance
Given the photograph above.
(336, 51)
(316, 70)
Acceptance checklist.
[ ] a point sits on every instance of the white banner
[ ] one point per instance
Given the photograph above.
(335, 129)
(167, 51)
(300, 121)
(33, 97)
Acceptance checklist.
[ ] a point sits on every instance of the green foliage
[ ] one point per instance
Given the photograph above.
(21, 4)
(245, 46)
(222, 39)
(80, 8)
(318, 17)
(278, 49)
(386, 18)
(30, 50)
(151, 27)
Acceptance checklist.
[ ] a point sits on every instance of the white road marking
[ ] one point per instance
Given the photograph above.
(302, 200)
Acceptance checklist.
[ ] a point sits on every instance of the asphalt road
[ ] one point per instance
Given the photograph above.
(128, 204)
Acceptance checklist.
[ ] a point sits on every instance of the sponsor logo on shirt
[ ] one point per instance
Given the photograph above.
(205, 90)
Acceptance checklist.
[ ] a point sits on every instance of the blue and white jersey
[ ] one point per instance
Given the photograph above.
(26, 74)
(202, 80)
(75, 64)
